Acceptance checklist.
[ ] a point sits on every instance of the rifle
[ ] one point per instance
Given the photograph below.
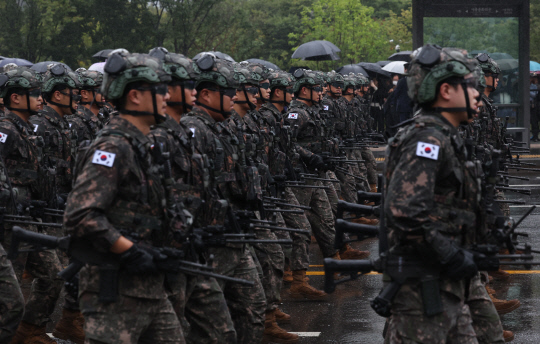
(168, 260)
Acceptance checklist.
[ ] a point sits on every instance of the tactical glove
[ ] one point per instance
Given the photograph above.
(316, 161)
(138, 261)
(461, 265)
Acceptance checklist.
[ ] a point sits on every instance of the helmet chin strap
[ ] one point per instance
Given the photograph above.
(157, 117)
(66, 106)
(306, 99)
(31, 112)
(94, 101)
(225, 114)
(249, 103)
(187, 107)
(467, 108)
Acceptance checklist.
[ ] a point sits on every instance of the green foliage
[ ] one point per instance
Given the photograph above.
(535, 30)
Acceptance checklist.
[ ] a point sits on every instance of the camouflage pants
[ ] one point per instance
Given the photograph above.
(371, 165)
(504, 207)
(348, 187)
(246, 303)
(129, 320)
(299, 258)
(320, 217)
(486, 321)
(200, 305)
(409, 325)
(11, 299)
(272, 262)
(46, 286)
(282, 235)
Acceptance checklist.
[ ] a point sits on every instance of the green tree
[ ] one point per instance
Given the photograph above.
(349, 25)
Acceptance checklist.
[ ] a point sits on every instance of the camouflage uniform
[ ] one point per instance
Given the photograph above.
(21, 156)
(11, 299)
(422, 195)
(196, 298)
(59, 149)
(299, 257)
(246, 304)
(125, 194)
(85, 124)
(310, 138)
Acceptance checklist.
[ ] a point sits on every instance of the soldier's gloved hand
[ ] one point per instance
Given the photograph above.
(461, 265)
(317, 161)
(138, 261)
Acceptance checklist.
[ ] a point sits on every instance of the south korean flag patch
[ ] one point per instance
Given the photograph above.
(427, 150)
(326, 107)
(103, 158)
(293, 115)
(3, 137)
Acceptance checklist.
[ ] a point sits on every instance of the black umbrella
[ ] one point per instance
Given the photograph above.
(102, 55)
(352, 68)
(18, 62)
(373, 69)
(317, 51)
(217, 54)
(383, 63)
(41, 67)
(264, 63)
(401, 56)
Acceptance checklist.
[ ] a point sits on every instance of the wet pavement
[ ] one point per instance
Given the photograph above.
(347, 317)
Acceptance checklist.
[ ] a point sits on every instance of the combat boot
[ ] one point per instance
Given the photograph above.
(499, 275)
(372, 188)
(508, 336)
(365, 221)
(503, 306)
(31, 334)
(70, 327)
(347, 252)
(287, 275)
(301, 290)
(282, 317)
(275, 334)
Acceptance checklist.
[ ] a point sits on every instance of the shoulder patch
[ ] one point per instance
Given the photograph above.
(36, 126)
(3, 137)
(326, 107)
(293, 115)
(193, 131)
(103, 158)
(427, 150)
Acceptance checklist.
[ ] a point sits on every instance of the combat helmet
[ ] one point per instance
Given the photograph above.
(58, 77)
(20, 79)
(90, 80)
(221, 74)
(349, 81)
(248, 82)
(432, 65)
(479, 73)
(123, 68)
(489, 67)
(335, 80)
(183, 70)
(282, 80)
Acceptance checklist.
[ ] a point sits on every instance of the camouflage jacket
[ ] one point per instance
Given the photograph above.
(189, 169)
(21, 155)
(350, 118)
(307, 127)
(432, 192)
(333, 118)
(279, 137)
(85, 124)
(60, 145)
(490, 123)
(118, 187)
(232, 177)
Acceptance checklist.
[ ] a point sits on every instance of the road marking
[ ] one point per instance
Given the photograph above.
(528, 185)
(514, 272)
(524, 206)
(316, 266)
(307, 334)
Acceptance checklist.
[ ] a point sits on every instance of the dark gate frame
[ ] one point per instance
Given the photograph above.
(484, 8)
